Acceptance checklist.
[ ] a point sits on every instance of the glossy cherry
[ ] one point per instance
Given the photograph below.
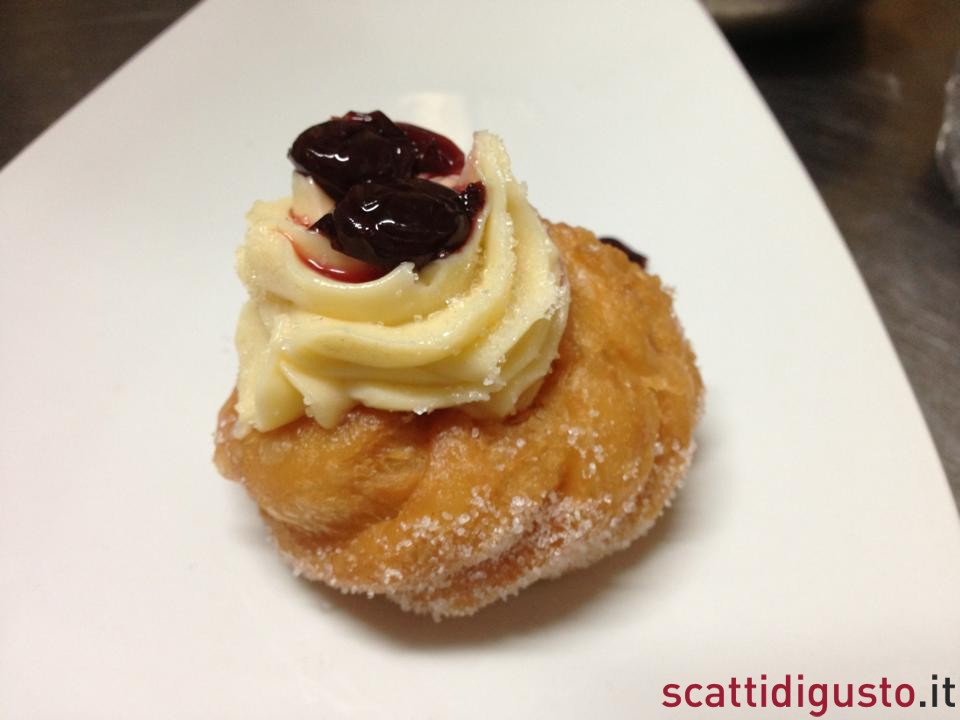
(406, 220)
(361, 147)
(356, 148)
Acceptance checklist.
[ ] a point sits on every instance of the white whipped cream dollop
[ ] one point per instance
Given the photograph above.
(477, 329)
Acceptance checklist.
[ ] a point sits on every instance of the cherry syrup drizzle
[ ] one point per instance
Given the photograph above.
(354, 274)
(359, 275)
(436, 155)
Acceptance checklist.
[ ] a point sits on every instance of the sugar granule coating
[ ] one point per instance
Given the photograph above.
(445, 514)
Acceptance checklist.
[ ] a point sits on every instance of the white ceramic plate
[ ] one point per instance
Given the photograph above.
(816, 533)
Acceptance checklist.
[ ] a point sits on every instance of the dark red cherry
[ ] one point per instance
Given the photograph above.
(403, 220)
(436, 155)
(632, 255)
(356, 148)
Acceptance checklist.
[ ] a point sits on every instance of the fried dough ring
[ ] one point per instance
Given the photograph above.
(444, 513)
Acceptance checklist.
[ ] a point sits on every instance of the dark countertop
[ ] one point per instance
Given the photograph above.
(862, 100)
(860, 97)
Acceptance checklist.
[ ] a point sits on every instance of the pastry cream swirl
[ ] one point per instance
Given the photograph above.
(477, 329)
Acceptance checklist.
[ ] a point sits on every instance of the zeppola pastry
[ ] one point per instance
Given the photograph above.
(442, 398)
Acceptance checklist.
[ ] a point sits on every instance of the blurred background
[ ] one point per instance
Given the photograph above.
(857, 85)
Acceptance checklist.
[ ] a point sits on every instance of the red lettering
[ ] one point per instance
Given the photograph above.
(783, 687)
(884, 686)
(715, 698)
(897, 695)
(869, 694)
(733, 692)
(848, 701)
(750, 687)
(817, 695)
(670, 691)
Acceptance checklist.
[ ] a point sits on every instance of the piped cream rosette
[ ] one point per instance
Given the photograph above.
(477, 329)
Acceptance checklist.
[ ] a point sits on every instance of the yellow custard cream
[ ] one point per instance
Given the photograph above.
(477, 329)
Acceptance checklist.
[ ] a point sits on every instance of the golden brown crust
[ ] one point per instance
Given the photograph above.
(444, 513)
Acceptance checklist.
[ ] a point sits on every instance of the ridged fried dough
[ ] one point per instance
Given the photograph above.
(444, 513)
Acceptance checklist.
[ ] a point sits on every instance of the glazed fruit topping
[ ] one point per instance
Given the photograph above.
(345, 151)
(436, 155)
(403, 220)
(384, 214)
(632, 255)
(369, 146)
